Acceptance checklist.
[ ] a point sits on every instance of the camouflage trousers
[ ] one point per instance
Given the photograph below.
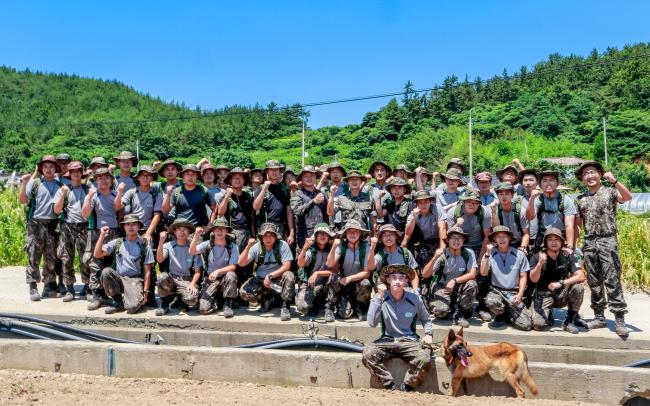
(377, 353)
(359, 291)
(324, 288)
(40, 242)
(132, 289)
(175, 285)
(226, 285)
(603, 266)
(72, 241)
(442, 300)
(96, 265)
(519, 314)
(544, 302)
(241, 239)
(253, 289)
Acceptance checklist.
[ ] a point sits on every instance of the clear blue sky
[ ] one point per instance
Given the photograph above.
(218, 53)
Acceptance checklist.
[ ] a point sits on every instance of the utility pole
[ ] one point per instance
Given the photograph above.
(470, 144)
(605, 140)
(137, 153)
(302, 155)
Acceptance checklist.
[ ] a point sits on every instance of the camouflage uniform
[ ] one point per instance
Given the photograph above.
(463, 295)
(226, 284)
(498, 304)
(73, 240)
(41, 242)
(131, 287)
(377, 353)
(173, 285)
(544, 302)
(95, 265)
(600, 249)
(328, 288)
(253, 289)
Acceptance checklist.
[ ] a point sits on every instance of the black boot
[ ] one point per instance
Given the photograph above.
(460, 317)
(499, 321)
(69, 294)
(598, 321)
(50, 290)
(227, 308)
(33, 292)
(578, 321)
(285, 313)
(568, 324)
(621, 330)
(61, 287)
(85, 291)
(164, 305)
(118, 305)
(96, 301)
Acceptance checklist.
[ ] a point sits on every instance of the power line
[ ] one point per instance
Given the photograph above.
(328, 102)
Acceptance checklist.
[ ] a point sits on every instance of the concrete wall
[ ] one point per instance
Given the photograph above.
(555, 381)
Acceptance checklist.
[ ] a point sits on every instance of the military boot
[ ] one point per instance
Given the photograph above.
(118, 305)
(285, 312)
(164, 305)
(568, 324)
(598, 321)
(33, 292)
(621, 330)
(460, 317)
(69, 294)
(227, 308)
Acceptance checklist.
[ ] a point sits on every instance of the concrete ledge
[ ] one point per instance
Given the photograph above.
(555, 381)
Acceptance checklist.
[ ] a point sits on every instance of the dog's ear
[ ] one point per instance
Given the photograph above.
(451, 336)
(460, 332)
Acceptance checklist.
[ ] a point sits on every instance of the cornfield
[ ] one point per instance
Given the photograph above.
(12, 229)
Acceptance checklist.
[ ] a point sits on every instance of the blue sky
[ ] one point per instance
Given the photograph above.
(217, 53)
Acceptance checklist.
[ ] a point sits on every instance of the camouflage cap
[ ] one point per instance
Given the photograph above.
(353, 224)
(76, 166)
(548, 172)
(221, 167)
(507, 168)
(273, 164)
(459, 162)
(525, 172)
(308, 169)
(554, 231)
(235, 171)
(374, 165)
(483, 177)
(97, 161)
(166, 163)
(131, 218)
(336, 164)
(181, 222)
(63, 157)
(324, 228)
(146, 169)
(392, 269)
(471, 194)
(47, 158)
(190, 168)
(269, 228)
(423, 195)
(388, 228)
(456, 230)
(504, 186)
(103, 172)
(354, 174)
(453, 174)
(500, 229)
(289, 169)
(595, 164)
(399, 182)
(403, 167)
(126, 156)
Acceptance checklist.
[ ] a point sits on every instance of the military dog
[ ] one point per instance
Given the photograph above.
(508, 358)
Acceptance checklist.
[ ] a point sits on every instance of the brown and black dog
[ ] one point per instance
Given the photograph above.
(508, 358)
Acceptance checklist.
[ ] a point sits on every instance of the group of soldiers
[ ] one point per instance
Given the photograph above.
(215, 238)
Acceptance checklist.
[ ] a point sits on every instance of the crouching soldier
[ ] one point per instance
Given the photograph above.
(398, 310)
(391, 254)
(350, 255)
(559, 283)
(220, 256)
(183, 268)
(453, 284)
(508, 270)
(317, 280)
(131, 272)
(272, 275)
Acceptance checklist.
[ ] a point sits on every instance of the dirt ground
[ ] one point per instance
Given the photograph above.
(29, 387)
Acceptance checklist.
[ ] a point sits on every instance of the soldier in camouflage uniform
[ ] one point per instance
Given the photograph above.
(74, 230)
(353, 205)
(37, 193)
(597, 216)
(396, 207)
(398, 310)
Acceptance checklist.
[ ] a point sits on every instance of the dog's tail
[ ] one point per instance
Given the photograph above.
(527, 378)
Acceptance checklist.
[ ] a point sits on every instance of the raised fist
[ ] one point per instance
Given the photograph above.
(374, 241)
(267, 183)
(105, 230)
(251, 242)
(416, 212)
(65, 188)
(319, 198)
(170, 189)
(163, 236)
(609, 177)
(336, 242)
(460, 221)
(199, 231)
(334, 189)
(121, 187)
(308, 242)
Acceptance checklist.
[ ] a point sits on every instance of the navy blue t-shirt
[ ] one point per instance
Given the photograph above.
(191, 205)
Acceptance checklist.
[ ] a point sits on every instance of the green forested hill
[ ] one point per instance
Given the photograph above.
(554, 108)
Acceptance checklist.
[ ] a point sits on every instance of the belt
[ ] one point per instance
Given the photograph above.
(593, 237)
(44, 221)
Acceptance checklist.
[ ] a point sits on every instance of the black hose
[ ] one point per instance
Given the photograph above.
(639, 364)
(40, 329)
(24, 333)
(263, 343)
(69, 328)
(308, 342)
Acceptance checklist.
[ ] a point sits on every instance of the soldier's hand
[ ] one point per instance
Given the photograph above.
(554, 285)
(309, 241)
(105, 230)
(542, 258)
(251, 242)
(518, 298)
(489, 248)
(344, 280)
(267, 282)
(524, 250)
(609, 177)
(169, 189)
(111, 167)
(567, 250)
(416, 212)
(450, 285)
(324, 175)
(229, 191)
(439, 252)
(536, 192)
(199, 231)
(266, 184)
(381, 289)
(428, 340)
(334, 189)
(374, 241)
(460, 221)
(418, 170)
(311, 282)
(26, 177)
(163, 236)
(149, 238)
(336, 242)
(213, 276)
(65, 188)
(319, 198)
(155, 165)
(193, 289)
(516, 161)
(121, 187)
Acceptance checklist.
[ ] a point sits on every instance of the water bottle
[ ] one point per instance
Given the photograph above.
(275, 287)
(579, 257)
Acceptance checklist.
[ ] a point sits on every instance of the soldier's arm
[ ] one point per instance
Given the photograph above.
(259, 200)
(99, 251)
(223, 206)
(485, 265)
(243, 257)
(160, 252)
(374, 310)
(331, 256)
(442, 231)
(569, 223)
(58, 205)
(147, 279)
(525, 238)
(530, 210)
(330, 205)
(359, 276)
(214, 214)
(624, 194)
(167, 201)
(154, 224)
(286, 266)
(290, 226)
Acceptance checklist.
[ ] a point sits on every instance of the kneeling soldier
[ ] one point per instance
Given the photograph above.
(454, 279)
(317, 280)
(398, 311)
(131, 271)
(272, 257)
(220, 256)
(508, 270)
(559, 283)
(183, 268)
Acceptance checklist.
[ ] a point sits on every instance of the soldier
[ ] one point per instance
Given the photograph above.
(335, 172)
(484, 183)
(317, 280)
(510, 213)
(222, 172)
(125, 161)
(422, 178)
(510, 174)
(209, 178)
(190, 200)
(95, 163)
(449, 192)
(290, 179)
(396, 208)
(425, 227)
(220, 256)
(353, 205)
(552, 209)
(272, 258)
(127, 281)
(37, 193)
(528, 180)
(508, 270)
(402, 171)
(398, 310)
(272, 204)
(170, 170)
(391, 254)
(99, 210)
(559, 283)
(597, 208)
(62, 161)
(350, 256)
(145, 201)
(380, 172)
(456, 166)
(74, 230)
(183, 270)
(256, 176)
(308, 204)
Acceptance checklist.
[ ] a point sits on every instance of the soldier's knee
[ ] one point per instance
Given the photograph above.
(365, 284)
(106, 273)
(288, 277)
(538, 323)
(230, 277)
(132, 308)
(440, 311)
(577, 289)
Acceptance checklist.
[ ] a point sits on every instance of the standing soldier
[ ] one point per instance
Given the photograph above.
(380, 172)
(403, 171)
(308, 204)
(391, 254)
(510, 213)
(74, 230)
(125, 161)
(209, 177)
(190, 200)
(509, 174)
(350, 256)
(456, 165)
(484, 183)
(317, 280)
(528, 180)
(127, 281)
(449, 191)
(398, 310)
(183, 270)
(37, 193)
(353, 205)
(95, 163)
(425, 227)
(396, 208)
(62, 161)
(597, 208)
(99, 210)
(453, 271)
(335, 173)
(272, 258)
(222, 172)
(272, 202)
(220, 256)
